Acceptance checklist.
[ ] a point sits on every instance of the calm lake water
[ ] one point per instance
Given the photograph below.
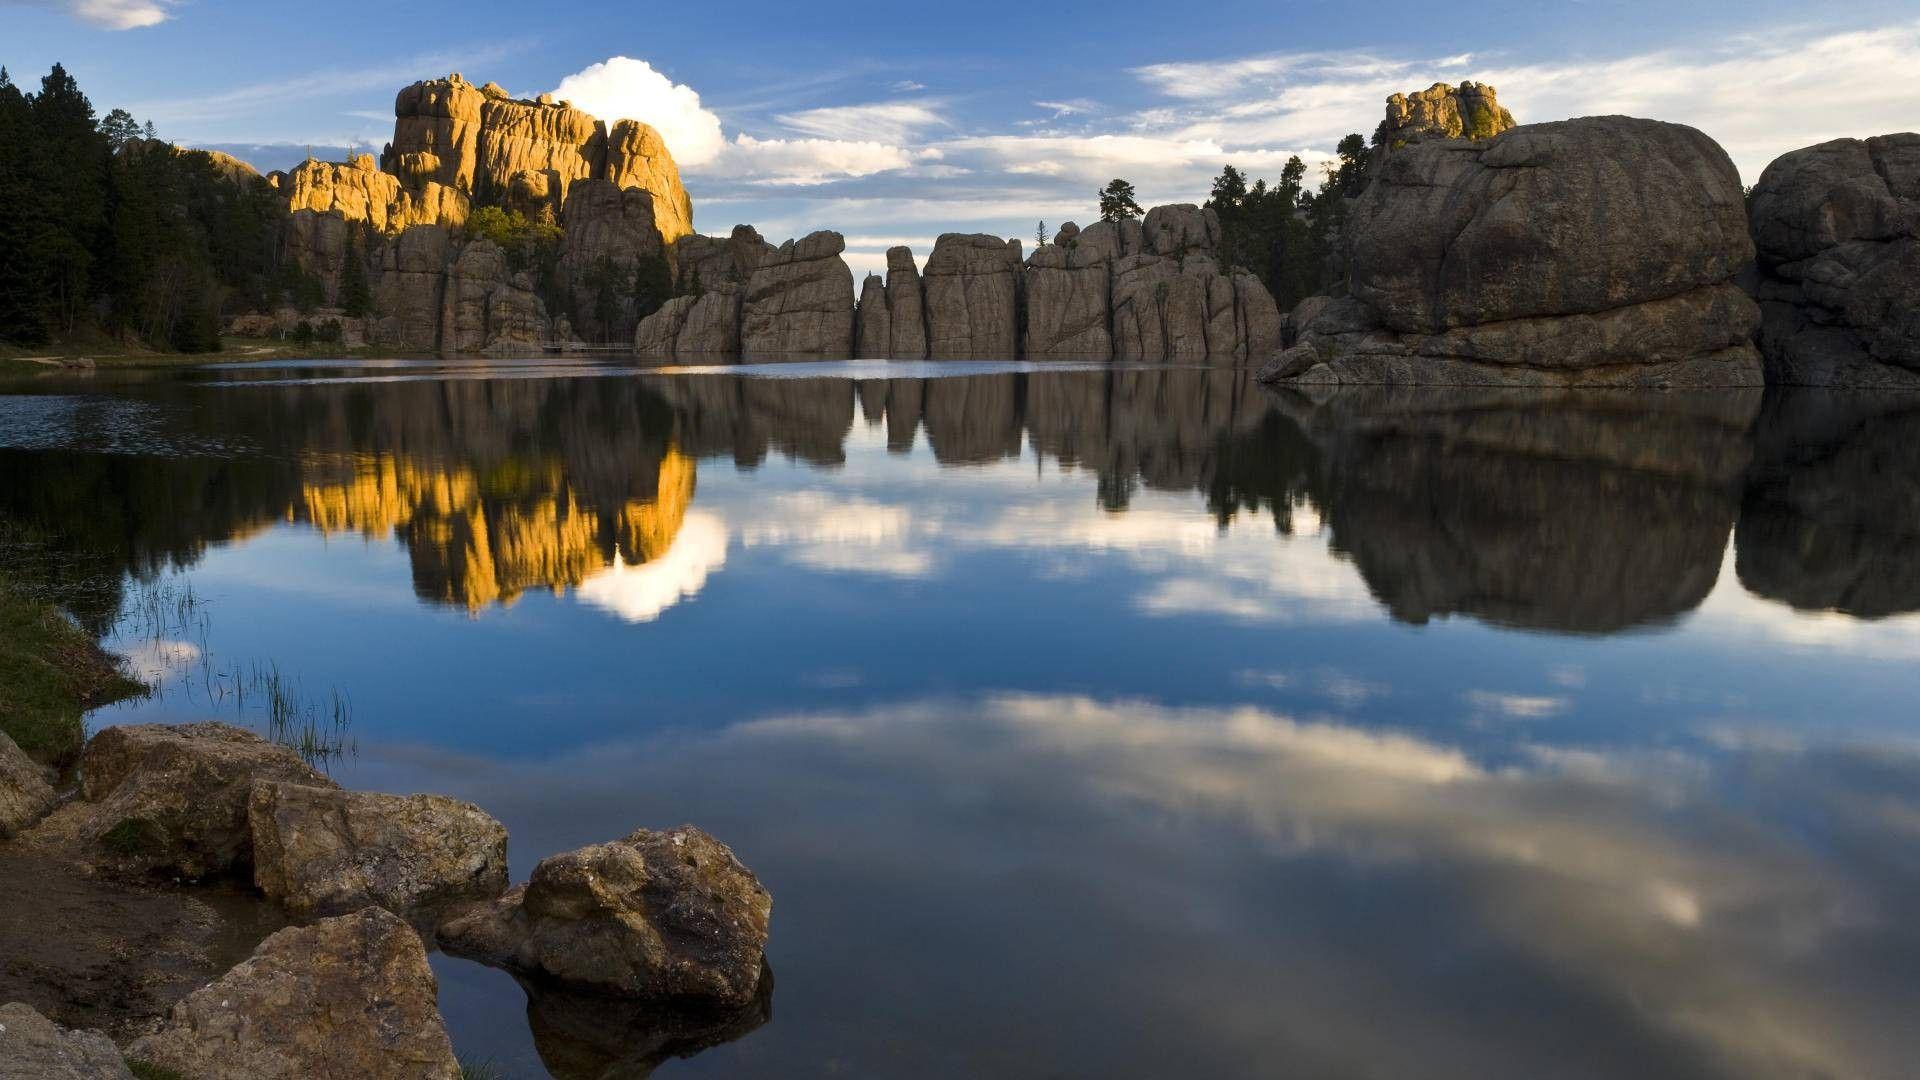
(1116, 722)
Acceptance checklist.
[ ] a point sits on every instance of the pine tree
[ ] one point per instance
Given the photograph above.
(1117, 201)
(1040, 235)
(356, 296)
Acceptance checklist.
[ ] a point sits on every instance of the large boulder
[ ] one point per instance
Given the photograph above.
(1837, 228)
(668, 914)
(1181, 228)
(799, 301)
(323, 851)
(170, 800)
(25, 795)
(582, 1036)
(972, 296)
(1599, 251)
(33, 1047)
(348, 998)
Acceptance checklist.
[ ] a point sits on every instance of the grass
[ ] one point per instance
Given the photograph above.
(51, 673)
(132, 836)
(480, 1070)
(147, 1070)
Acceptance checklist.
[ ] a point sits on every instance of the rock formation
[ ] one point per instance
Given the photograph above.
(488, 306)
(906, 306)
(657, 914)
(873, 322)
(33, 1047)
(1068, 288)
(1590, 252)
(1837, 228)
(972, 296)
(1469, 111)
(323, 851)
(799, 301)
(25, 795)
(169, 800)
(350, 996)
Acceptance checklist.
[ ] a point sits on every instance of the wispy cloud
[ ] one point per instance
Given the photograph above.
(895, 122)
(107, 14)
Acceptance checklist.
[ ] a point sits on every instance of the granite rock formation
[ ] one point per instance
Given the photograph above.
(873, 321)
(1590, 252)
(323, 851)
(348, 997)
(169, 800)
(656, 915)
(1837, 228)
(799, 301)
(906, 306)
(972, 290)
(1468, 111)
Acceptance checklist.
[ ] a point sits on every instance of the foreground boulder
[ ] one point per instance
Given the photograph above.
(348, 998)
(1592, 252)
(33, 1047)
(170, 800)
(1837, 228)
(25, 795)
(324, 851)
(668, 914)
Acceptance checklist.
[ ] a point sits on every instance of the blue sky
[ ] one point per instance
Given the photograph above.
(895, 123)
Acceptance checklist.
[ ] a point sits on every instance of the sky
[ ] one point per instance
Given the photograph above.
(892, 124)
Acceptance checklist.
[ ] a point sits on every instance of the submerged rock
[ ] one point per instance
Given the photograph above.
(1837, 228)
(1591, 252)
(33, 1047)
(348, 998)
(668, 914)
(324, 851)
(170, 800)
(25, 795)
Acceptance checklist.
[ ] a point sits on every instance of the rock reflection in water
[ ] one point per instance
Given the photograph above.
(1831, 517)
(1589, 512)
(1584, 512)
(591, 1037)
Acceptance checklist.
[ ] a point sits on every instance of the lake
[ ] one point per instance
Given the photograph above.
(1107, 721)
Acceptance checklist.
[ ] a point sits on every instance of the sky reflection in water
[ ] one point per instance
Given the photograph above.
(1139, 722)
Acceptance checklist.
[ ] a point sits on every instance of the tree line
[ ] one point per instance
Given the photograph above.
(104, 228)
(1285, 234)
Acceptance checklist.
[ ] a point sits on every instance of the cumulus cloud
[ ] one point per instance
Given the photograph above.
(640, 592)
(622, 88)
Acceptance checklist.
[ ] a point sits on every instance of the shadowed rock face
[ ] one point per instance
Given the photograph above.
(799, 301)
(1587, 512)
(1837, 227)
(1831, 516)
(1590, 252)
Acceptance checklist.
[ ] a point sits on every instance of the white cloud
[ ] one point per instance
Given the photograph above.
(119, 14)
(890, 122)
(622, 88)
(840, 534)
(641, 592)
(802, 162)
(1516, 706)
(1074, 107)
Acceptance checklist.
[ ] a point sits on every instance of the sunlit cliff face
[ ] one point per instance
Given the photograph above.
(481, 536)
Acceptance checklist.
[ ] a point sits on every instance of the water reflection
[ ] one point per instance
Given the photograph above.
(1580, 512)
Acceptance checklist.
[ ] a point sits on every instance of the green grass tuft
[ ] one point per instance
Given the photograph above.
(131, 836)
(147, 1070)
(51, 673)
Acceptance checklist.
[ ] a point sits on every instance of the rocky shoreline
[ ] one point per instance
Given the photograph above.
(669, 922)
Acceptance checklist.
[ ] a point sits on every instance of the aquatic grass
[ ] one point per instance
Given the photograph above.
(51, 673)
(483, 1069)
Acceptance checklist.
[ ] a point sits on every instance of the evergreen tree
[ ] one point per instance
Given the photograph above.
(1040, 235)
(356, 296)
(653, 285)
(119, 128)
(20, 290)
(1117, 201)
